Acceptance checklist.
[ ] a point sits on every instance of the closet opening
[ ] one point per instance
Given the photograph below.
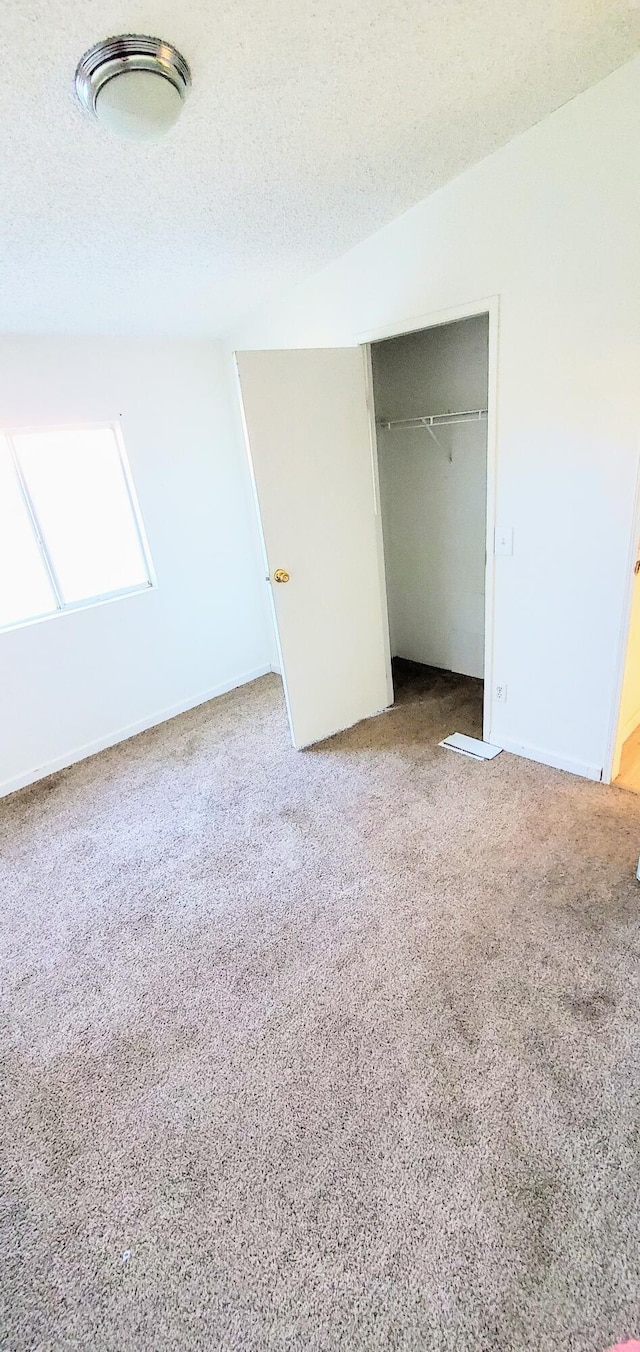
(625, 767)
(431, 395)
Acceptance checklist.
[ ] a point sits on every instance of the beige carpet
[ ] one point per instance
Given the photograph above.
(331, 1050)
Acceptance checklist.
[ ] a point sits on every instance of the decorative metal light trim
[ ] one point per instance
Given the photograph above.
(131, 51)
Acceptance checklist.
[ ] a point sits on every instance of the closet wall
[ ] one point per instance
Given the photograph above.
(434, 507)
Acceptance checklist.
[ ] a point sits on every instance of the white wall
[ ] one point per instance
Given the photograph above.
(434, 496)
(550, 225)
(79, 681)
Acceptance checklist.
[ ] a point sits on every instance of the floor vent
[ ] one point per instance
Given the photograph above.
(470, 746)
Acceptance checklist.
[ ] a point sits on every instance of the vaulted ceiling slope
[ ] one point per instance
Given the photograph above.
(311, 123)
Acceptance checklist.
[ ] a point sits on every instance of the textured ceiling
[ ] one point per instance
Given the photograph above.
(310, 124)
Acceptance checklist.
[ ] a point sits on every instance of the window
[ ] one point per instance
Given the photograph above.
(70, 531)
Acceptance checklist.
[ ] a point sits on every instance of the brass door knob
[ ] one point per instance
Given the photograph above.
(281, 575)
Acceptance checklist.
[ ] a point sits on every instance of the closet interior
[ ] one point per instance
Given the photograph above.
(431, 396)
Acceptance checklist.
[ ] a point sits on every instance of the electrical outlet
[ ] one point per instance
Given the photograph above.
(501, 693)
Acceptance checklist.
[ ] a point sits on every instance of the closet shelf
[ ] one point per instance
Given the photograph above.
(435, 419)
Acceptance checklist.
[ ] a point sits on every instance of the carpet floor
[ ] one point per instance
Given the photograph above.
(322, 1050)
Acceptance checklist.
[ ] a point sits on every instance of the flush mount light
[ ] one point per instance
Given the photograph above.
(134, 85)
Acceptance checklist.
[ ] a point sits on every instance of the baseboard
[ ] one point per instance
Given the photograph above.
(131, 730)
(536, 753)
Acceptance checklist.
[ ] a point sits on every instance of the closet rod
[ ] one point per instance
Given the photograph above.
(435, 419)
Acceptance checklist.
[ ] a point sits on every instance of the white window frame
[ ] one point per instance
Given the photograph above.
(62, 607)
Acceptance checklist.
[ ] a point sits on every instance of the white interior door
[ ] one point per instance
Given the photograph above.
(309, 438)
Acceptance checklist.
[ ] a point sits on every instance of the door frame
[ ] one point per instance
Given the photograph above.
(489, 306)
(610, 768)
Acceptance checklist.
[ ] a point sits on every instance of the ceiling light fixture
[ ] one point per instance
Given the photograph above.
(134, 85)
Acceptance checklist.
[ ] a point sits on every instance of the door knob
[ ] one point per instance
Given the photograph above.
(281, 575)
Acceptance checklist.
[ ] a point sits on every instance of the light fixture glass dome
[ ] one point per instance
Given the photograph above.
(138, 104)
(134, 85)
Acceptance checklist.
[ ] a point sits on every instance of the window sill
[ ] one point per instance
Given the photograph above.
(91, 603)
